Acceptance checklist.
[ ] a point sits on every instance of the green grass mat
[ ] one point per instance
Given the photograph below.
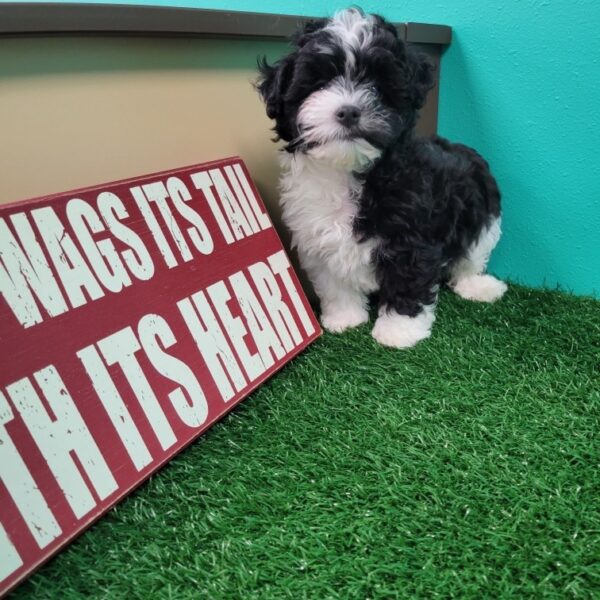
(466, 467)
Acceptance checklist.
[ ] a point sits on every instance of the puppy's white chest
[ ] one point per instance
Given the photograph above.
(319, 207)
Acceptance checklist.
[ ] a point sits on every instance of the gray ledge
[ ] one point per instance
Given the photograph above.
(33, 18)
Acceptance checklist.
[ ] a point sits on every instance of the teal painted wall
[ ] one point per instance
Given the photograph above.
(521, 83)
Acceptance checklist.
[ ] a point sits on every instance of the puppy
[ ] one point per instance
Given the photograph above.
(373, 207)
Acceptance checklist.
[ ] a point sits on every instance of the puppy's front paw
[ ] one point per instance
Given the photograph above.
(401, 331)
(340, 320)
(482, 288)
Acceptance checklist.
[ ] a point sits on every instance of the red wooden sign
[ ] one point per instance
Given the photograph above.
(133, 316)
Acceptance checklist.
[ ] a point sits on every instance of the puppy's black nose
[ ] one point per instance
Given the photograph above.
(348, 115)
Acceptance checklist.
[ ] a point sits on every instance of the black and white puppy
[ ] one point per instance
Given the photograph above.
(371, 206)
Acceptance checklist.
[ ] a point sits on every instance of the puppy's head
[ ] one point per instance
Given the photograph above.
(347, 90)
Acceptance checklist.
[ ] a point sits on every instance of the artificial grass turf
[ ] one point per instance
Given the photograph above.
(466, 467)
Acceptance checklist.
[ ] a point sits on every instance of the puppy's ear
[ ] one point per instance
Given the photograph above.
(272, 83)
(422, 81)
(307, 30)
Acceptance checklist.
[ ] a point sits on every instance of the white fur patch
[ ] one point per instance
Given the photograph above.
(401, 331)
(479, 252)
(318, 123)
(345, 318)
(484, 288)
(319, 204)
(468, 280)
(354, 29)
(355, 155)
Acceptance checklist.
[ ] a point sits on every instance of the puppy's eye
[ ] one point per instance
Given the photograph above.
(373, 89)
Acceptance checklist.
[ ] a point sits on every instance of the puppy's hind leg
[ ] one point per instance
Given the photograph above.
(481, 288)
(468, 279)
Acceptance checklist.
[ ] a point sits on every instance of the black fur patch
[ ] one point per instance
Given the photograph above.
(427, 201)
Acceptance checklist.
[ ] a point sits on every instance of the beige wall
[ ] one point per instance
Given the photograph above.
(79, 111)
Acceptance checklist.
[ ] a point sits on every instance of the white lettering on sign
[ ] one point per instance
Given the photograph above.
(120, 348)
(156, 335)
(175, 191)
(154, 226)
(233, 211)
(235, 329)
(87, 263)
(115, 407)
(198, 233)
(202, 182)
(242, 199)
(60, 435)
(237, 211)
(10, 560)
(158, 193)
(261, 215)
(26, 275)
(281, 266)
(23, 271)
(212, 344)
(21, 486)
(73, 271)
(259, 325)
(218, 344)
(188, 398)
(137, 258)
(278, 310)
(103, 257)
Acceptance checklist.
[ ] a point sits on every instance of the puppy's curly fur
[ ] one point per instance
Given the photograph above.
(372, 206)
